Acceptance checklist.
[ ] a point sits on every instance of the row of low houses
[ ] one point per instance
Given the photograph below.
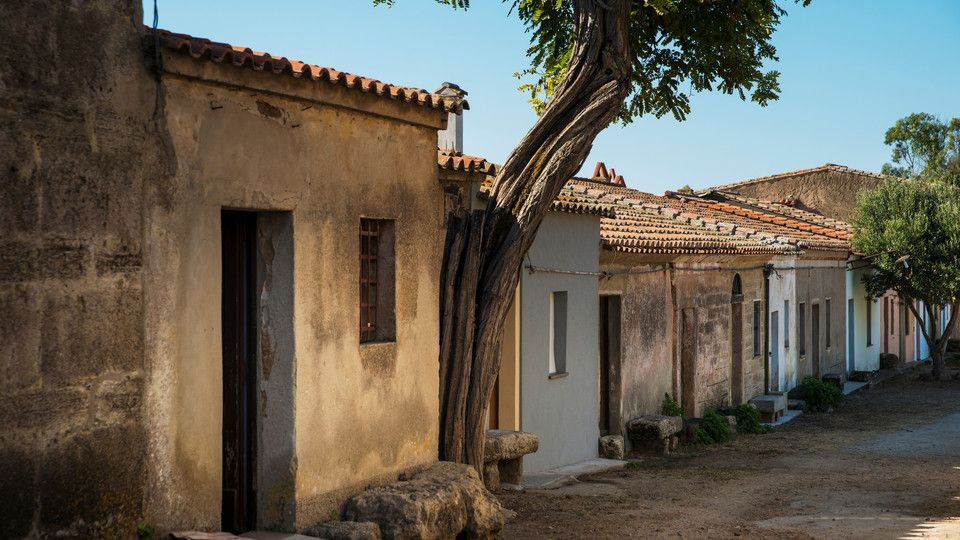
(223, 273)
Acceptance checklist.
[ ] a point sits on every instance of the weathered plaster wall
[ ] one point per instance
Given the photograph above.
(563, 412)
(362, 413)
(655, 290)
(866, 349)
(77, 144)
(783, 373)
(816, 282)
(705, 288)
(646, 339)
(831, 193)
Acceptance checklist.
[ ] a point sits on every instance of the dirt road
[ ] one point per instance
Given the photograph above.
(885, 465)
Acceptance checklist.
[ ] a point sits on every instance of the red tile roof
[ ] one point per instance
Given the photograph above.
(844, 229)
(651, 224)
(829, 167)
(456, 161)
(245, 58)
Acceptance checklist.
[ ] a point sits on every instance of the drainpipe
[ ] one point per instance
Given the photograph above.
(767, 270)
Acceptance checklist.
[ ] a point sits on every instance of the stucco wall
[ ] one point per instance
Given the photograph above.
(77, 145)
(831, 193)
(783, 373)
(563, 412)
(654, 291)
(866, 357)
(362, 413)
(816, 282)
(646, 338)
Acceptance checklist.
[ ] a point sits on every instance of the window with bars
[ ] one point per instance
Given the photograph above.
(377, 287)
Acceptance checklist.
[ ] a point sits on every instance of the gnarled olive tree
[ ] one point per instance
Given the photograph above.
(592, 62)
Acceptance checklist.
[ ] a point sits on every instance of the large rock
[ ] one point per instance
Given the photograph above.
(889, 361)
(654, 427)
(611, 446)
(345, 530)
(446, 500)
(503, 444)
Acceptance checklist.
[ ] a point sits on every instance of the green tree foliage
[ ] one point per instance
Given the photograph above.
(924, 147)
(679, 47)
(910, 231)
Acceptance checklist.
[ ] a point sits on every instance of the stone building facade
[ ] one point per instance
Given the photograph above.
(830, 190)
(130, 172)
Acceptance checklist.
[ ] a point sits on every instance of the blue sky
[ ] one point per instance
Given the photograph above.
(849, 68)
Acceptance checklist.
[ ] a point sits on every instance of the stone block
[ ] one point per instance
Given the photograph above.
(345, 530)
(505, 444)
(652, 434)
(19, 193)
(836, 379)
(92, 484)
(54, 409)
(889, 361)
(17, 476)
(90, 332)
(118, 399)
(654, 427)
(121, 261)
(771, 407)
(61, 260)
(18, 262)
(446, 500)
(611, 446)
(19, 338)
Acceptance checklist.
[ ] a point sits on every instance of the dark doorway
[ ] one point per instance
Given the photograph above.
(815, 328)
(239, 324)
(610, 365)
(736, 341)
(688, 361)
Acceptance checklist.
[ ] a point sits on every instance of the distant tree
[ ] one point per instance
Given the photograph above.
(924, 147)
(592, 62)
(911, 233)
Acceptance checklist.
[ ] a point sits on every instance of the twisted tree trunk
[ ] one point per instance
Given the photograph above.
(484, 249)
(936, 337)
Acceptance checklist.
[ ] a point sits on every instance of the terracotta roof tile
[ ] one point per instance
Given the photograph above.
(246, 58)
(651, 224)
(456, 161)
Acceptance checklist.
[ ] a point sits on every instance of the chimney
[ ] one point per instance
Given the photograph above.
(452, 137)
(600, 171)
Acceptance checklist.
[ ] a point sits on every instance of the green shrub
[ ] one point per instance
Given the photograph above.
(670, 407)
(818, 395)
(144, 531)
(748, 419)
(714, 429)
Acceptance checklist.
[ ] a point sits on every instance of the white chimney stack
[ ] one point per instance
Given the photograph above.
(452, 137)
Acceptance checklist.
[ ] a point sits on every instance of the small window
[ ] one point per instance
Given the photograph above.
(736, 293)
(377, 302)
(828, 323)
(869, 305)
(786, 324)
(558, 333)
(757, 314)
(802, 328)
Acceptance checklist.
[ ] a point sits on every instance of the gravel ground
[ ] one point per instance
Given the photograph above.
(885, 465)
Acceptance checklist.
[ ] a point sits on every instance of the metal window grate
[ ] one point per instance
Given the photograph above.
(369, 248)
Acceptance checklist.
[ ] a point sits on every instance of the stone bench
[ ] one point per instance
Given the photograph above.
(503, 454)
(771, 406)
(654, 434)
